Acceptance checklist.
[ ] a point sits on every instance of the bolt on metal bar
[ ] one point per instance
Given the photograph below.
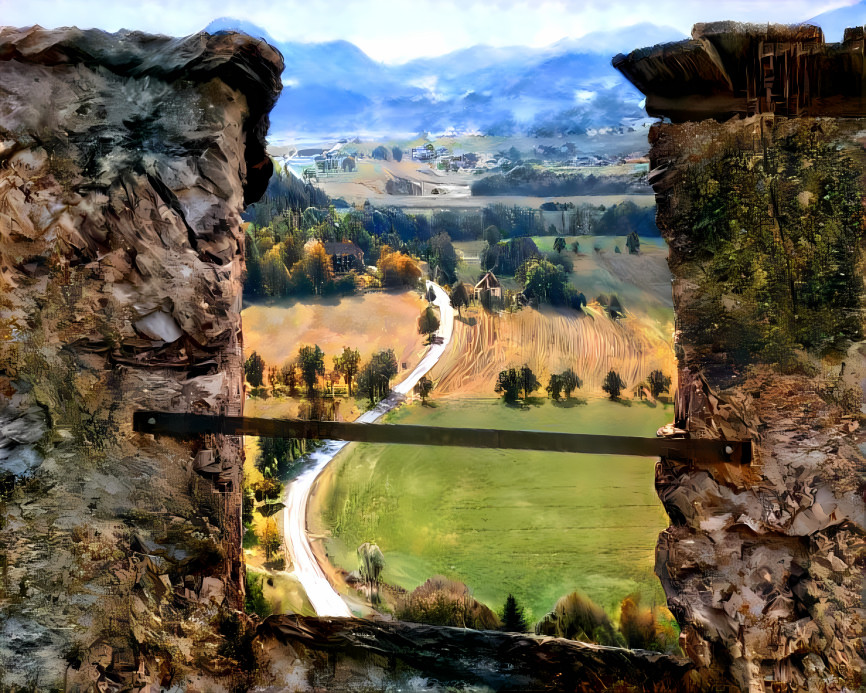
(187, 425)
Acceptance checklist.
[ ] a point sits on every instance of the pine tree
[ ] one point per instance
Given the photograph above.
(513, 618)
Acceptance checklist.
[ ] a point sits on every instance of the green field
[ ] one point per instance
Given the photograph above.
(538, 525)
(641, 282)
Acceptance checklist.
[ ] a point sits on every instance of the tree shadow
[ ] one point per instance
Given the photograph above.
(569, 402)
(466, 320)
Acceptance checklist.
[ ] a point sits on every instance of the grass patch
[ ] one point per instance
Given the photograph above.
(534, 524)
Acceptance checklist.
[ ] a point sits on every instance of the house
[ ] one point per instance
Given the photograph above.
(489, 284)
(422, 154)
(345, 256)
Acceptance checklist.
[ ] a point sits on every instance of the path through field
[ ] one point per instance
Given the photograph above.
(322, 595)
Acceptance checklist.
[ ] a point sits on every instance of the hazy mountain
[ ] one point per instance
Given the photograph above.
(334, 88)
(836, 21)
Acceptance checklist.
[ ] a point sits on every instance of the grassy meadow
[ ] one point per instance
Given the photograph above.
(535, 524)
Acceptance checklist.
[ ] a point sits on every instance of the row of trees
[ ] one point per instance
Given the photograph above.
(510, 383)
(308, 368)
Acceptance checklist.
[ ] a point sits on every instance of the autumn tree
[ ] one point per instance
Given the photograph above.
(397, 269)
(613, 384)
(347, 364)
(254, 370)
(311, 360)
(658, 382)
(318, 267)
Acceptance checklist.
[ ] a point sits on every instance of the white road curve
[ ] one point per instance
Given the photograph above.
(322, 595)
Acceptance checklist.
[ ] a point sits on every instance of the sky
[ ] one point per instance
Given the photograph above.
(394, 32)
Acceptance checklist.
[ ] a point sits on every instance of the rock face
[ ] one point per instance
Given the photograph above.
(125, 161)
(764, 217)
(308, 654)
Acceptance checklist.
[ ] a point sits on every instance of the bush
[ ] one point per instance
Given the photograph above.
(444, 602)
(577, 617)
(645, 628)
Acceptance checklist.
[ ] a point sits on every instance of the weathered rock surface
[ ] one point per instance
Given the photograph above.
(125, 161)
(762, 566)
(354, 654)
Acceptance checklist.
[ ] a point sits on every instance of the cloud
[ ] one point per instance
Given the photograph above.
(398, 31)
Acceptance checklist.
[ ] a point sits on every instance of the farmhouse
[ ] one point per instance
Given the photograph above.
(345, 256)
(489, 284)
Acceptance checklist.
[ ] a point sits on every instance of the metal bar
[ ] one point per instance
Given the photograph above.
(186, 425)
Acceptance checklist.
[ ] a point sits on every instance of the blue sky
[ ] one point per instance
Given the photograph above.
(392, 31)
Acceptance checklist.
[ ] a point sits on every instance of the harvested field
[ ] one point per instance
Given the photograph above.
(550, 340)
(368, 322)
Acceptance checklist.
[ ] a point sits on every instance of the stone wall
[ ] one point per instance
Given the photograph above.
(761, 201)
(125, 161)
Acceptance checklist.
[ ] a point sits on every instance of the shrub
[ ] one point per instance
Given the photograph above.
(444, 602)
(645, 628)
(577, 617)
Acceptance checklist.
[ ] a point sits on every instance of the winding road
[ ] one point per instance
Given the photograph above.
(322, 595)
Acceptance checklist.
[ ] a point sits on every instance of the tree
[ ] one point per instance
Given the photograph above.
(370, 563)
(559, 244)
(508, 383)
(347, 364)
(430, 295)
(554, 387)
(397, 153)
(381, 153)
(658, 382)
(575, 247)
(318, 267)
(528, 381)
(616, 249)
(459, 296)
(253, 281)
(311, 360)
(428, 322)
(290, 378)
(513, 618)
(269, 539)
(441, 255)
(397, 269)
(423, 388)
(570, 382)
(491, 235)
(273, 380)
(254, 370)
(632, 242)
(543, 281)
(374, 380)
(613, 384)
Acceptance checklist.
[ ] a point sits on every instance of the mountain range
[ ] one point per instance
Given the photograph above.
(335, 89)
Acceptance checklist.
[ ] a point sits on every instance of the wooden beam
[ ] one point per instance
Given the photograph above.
(190, 425)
